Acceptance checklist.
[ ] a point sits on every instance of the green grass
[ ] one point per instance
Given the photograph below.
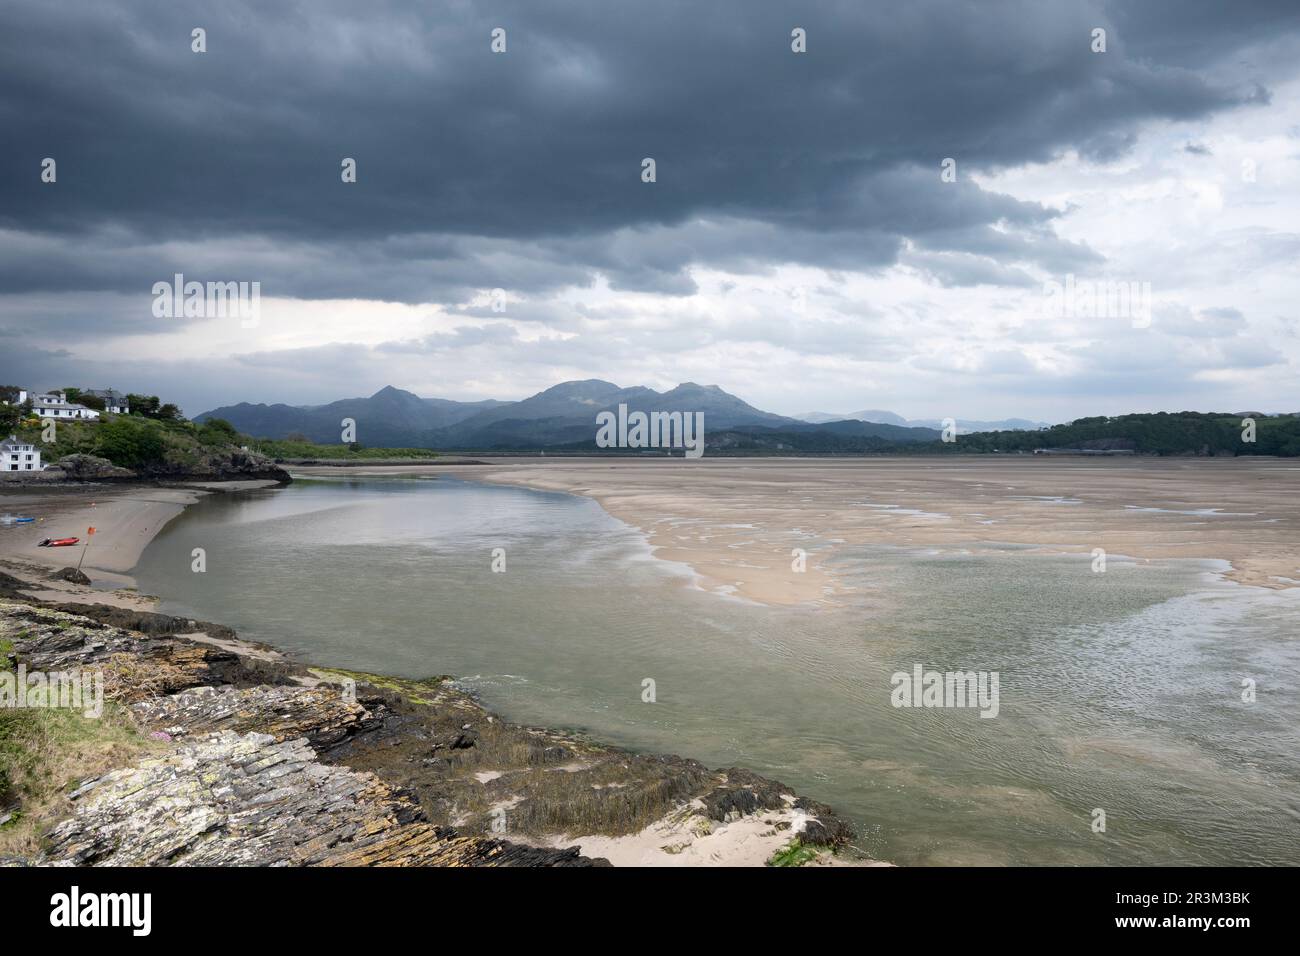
(47, 752)
(281, 448)
(794, 853)
(416, 690)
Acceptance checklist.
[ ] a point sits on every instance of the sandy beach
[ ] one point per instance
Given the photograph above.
(125, 518)
(736, 522)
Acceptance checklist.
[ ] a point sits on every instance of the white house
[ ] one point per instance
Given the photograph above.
(114, 402)
(19, 456)
(56, 405)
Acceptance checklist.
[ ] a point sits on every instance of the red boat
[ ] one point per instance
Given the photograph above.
(58, 542)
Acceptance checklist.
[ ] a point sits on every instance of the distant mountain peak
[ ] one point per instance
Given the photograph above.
(582, 386)
(883, 417)
(390, 391)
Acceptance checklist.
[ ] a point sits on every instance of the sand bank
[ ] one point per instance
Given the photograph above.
(736, 521)
(125, 518)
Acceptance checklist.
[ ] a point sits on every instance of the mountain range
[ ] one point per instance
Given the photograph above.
(965, 426)
(561, 416)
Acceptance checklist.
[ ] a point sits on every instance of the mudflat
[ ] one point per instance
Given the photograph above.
(737, 522)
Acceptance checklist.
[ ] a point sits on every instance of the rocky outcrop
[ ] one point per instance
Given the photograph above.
(255, 759)
(74, 575)
(136, 665)
(91, 468)
(230, 799)
(225, 464)
(320, 714)
(146, 622)
(199, 463)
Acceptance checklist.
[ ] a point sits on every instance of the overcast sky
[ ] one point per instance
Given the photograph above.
(799, 248)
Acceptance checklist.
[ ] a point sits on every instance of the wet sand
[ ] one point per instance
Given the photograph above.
(737, 521)
(125, 518)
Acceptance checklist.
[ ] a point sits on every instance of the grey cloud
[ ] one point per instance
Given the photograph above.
(960, 269)
(474, 167)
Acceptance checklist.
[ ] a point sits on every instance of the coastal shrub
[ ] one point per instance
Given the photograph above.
(130, 442)
(217, 431)
(293, 448)
(72, 438)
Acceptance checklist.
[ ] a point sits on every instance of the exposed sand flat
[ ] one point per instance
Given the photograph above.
(125, 518)
(735, 521)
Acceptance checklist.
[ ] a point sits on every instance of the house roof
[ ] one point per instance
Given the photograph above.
(13, 442)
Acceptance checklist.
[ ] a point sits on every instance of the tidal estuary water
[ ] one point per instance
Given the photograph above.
(1119, 692)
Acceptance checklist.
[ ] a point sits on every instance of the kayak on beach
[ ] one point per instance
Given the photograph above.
(58, 542)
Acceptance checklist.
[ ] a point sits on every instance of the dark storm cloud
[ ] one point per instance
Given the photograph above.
(522, 170)
(1193, 33)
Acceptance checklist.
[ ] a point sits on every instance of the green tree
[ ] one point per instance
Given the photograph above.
(217, 431)
(145, 405)
(129, 442)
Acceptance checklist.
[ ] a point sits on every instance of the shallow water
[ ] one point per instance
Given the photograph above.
(1118, 691)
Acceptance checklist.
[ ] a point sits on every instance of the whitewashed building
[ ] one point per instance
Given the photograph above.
(114, 402)
(56, 405)
(17, 455)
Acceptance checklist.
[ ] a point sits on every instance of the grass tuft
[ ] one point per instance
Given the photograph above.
(794, 853)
